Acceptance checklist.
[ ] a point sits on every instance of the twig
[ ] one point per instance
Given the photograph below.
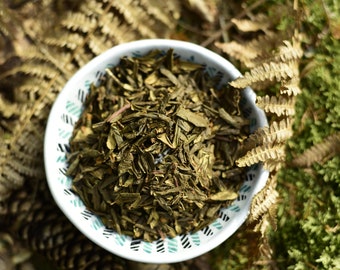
(227, 26)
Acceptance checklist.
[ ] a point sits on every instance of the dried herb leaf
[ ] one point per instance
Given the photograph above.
(154, 144)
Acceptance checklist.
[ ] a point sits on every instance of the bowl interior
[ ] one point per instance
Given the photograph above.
(66, 111)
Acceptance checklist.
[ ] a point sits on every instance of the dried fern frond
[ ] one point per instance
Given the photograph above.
(264, 200)
(273, 165)
(98, 45)
(276, 132)
(253, 52)
(8, 109)
(135, 15)
(21, 157)
(34, 69)
(165, 12)
(239, 51)
(257, 23)
(69, 40)
(82, 56)
(99, 25)
(79, 21)
(291, 87)
(319, 152)
(261, 154)
(266, 72)
(110, 24)
(290, 50)
(281, 106)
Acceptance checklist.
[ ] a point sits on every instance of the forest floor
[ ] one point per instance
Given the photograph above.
(305, 232)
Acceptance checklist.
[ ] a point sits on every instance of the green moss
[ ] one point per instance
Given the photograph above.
(308, 218)
(308, 235)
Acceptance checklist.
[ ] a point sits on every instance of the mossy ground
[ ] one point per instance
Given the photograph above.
(308, 229)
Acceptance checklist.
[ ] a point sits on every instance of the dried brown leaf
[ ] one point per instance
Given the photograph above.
(267, 72)
(239, 51)
(290, 51)
(79, 21)
(276, 132)
(261, 154)
(67, 40)
(202, 8)
(291, 86)
(259, 22)
(319, 152)
(264, 201)
(281, 106)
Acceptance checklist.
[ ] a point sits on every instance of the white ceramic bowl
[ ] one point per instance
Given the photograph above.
(66, 111)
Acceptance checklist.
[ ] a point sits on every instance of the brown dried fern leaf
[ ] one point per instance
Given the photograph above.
(164, 12)
(99, 25)
(21, 154)
(287, 51)
(264, 201)
(291, 50)
(276, 132)
(320, 152)
(291, 87)
(274, 165)
(253, 52)
(10, 177)
(110, 24)
(266, 72)
(261, 154)
(135, 15)
(9, 110)
(281, 106)
(78, 21)
(259, 22)
(35, 69)
(21, 157)
(239, 51)
(69, 40)
(264, 48)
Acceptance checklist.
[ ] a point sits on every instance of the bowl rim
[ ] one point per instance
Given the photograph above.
(116, 53)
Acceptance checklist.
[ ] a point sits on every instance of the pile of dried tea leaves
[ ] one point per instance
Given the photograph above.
(154, 149)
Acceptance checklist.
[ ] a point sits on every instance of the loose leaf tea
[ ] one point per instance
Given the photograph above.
(153, 153)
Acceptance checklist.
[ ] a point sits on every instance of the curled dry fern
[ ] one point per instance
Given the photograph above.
(320, 152)
(276, 132)
(271, 62)
(259, 22)
(291, 87)
(281, 105)
(264, 200)
(281, 66)
(261, 154)
(271, 71)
